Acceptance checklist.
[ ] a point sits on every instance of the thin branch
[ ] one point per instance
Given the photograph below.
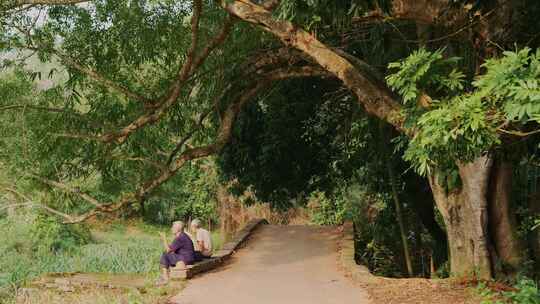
(188, 68)
(101, 79)
(223, 137)
(76, 136)
(69, 189)
(98, 78)
(518, 133)
(142, 160)
(215, 42)
(198, 126)
(185, 70)
(39, 108)
(29, 202)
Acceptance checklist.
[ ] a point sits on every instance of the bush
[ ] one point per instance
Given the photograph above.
(37, 244)
(49, 234)
(326, 210)
(527, 292)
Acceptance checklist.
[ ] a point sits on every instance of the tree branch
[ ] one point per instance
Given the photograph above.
(29, 202)
(214, 43)
(142, 160)
(69, 189)
(518, 133)
(39, 108)
(223, 137)
(185, 72)
(376, 100)
(101, 79)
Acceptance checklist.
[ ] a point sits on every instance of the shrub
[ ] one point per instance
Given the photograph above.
(527, 292)
(48, 234)
(326, 210)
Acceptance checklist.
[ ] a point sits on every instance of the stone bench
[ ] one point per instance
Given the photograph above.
(219, 257)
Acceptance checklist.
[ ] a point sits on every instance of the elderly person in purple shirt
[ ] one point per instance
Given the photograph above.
(179, 253)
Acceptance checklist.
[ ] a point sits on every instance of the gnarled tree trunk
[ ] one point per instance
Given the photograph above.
(465, 214)
(502, 221)
(465, 211)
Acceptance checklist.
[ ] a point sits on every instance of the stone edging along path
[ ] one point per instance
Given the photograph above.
(358, 273)
(219, 257)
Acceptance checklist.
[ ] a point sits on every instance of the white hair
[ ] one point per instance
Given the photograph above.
(196, 223)
(178, 226)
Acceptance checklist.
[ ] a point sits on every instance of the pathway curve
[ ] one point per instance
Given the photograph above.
(279, 265)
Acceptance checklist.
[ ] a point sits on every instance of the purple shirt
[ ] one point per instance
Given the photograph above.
(183, 246)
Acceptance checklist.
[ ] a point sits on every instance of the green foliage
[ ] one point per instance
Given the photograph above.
(527, 292)
(314, 14)
(138, 45)
(288, 144)
(512, 83)
(381, 259)
(325, 210)
(25, 256)
(377, 239)
(460, 125)
(191, 194)
(48, 234)
(425, 71)
(456, 130)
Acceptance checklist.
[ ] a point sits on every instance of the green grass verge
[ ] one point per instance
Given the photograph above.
(121, 248)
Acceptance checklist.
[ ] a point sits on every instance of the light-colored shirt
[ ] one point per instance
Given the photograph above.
(204, 236)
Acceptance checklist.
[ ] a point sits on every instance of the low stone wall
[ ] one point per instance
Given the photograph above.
(219, 257)
(359, 273)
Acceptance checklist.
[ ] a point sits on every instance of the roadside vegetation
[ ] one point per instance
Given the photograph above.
(417, 120)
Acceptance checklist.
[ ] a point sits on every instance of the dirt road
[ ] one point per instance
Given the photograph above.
(279, 265)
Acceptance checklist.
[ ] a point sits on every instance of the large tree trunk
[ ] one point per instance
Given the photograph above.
(465, 211)
(465, 214)
(502, 221)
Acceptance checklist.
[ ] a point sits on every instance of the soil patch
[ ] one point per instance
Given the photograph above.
(419, 291)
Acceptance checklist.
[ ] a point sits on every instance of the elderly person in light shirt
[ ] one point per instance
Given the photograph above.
(201, 240)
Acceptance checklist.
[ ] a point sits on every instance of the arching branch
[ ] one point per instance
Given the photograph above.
(375, 97)
(178, 161)
(154, 109)
(186, 71)
(29, 203)
(69, 189)
(100, 79)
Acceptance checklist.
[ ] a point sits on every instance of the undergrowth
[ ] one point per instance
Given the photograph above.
(33, 245)
(526, 291)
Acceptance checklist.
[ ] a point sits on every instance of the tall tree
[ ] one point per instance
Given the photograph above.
(452, 124)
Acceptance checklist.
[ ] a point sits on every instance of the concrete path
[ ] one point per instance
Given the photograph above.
(279, 265)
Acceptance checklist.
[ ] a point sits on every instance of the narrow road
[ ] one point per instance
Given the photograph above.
(279, 265)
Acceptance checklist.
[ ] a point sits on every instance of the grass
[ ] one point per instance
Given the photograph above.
(96, 295)
(119, 248)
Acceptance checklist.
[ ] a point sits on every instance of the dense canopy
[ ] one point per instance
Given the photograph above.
(423, 111)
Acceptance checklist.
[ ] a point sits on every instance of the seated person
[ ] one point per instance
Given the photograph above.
(180, 252)
(203, 240)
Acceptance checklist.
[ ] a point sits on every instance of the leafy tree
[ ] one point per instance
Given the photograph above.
(111, 48)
